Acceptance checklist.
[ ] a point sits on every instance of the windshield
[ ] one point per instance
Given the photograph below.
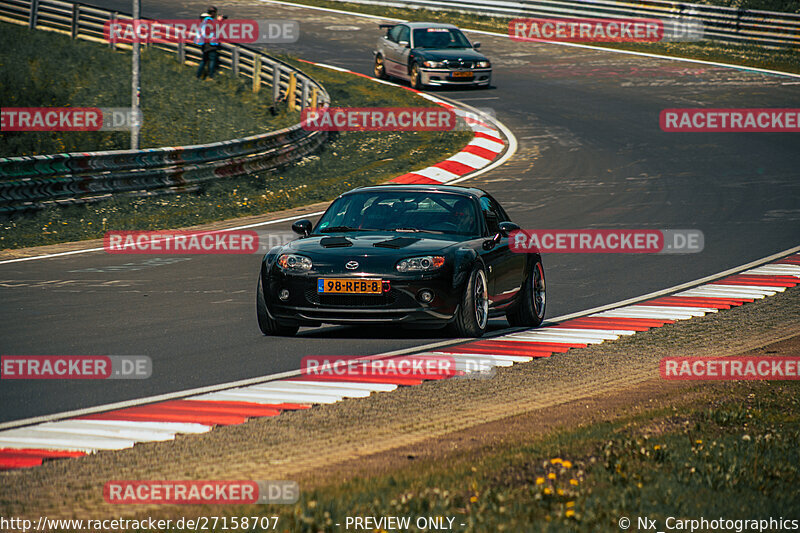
(440, 38)
(402, 212)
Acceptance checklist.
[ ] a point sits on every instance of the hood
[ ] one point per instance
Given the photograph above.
(441, 54)
(363, 245)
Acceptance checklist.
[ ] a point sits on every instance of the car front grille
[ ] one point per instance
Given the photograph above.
(459, 64)
(350, 300)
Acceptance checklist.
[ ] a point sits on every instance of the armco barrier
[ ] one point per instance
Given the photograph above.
(742, 26)
(28, 183)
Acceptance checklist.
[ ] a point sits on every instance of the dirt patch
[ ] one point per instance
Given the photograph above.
(516, 430)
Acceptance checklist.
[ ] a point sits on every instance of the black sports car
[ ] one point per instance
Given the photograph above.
(402, 254)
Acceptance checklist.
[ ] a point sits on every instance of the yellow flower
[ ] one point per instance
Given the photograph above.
(570, 512)
(548, 491)
(566, 464)
(570, 504)
(555, 461)
(560, 492)
(539, 480)
(698, 441)
(473, 499)
(551, 475)
(573, 481)
(656, 447)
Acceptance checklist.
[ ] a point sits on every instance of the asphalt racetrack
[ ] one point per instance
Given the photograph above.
(591, 155)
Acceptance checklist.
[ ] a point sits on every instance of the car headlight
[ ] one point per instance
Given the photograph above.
(294, 263)
(434, 64)
(426, 263)
(484, 64)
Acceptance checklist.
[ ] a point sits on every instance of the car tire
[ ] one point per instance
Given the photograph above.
(415, 78)
(472, 315)
(268, 325)
(530, 310)
(379, 69)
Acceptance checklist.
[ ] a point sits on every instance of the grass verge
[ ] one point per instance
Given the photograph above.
(733, 457)
(745, 55)
(177, 108)
(349, 160)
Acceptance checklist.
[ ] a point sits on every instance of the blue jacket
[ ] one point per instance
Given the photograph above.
(202, 31)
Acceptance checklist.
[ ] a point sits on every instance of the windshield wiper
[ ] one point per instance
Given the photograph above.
(417, 230)
(340, 228)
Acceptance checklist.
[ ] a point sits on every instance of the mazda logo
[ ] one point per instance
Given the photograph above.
(351, 265)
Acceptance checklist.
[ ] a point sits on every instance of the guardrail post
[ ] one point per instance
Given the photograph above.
(314, 96)
(276, 82)
(257, 73)
(111, 42)
(304, 94)
(290, 93)
(181, 52)
(76, 15)
(34, 14)
(235, 61)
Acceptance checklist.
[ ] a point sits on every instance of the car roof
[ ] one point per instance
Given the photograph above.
(417, 25)
(453, 189)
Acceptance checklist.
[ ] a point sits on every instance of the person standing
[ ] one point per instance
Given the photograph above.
(207, 40)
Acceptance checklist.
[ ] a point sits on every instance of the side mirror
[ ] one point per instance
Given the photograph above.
(505, 230)
(507, 227)
(403, 44)
(302, 227)
(476, 44)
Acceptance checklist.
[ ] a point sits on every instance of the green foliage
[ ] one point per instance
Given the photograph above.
(47, 69)
(738, 460)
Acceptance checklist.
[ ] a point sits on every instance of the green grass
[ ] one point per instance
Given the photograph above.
(745, 55)
(781, 6)
(737, 458)
(177, 108)
(348, 160)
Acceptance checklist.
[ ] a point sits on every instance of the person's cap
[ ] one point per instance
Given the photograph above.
(211, 10)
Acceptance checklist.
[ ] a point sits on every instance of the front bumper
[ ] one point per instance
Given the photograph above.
(400, 304)
(444, 76)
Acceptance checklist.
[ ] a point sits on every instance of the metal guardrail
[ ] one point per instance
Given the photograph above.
(741, 26)
(33, 182)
